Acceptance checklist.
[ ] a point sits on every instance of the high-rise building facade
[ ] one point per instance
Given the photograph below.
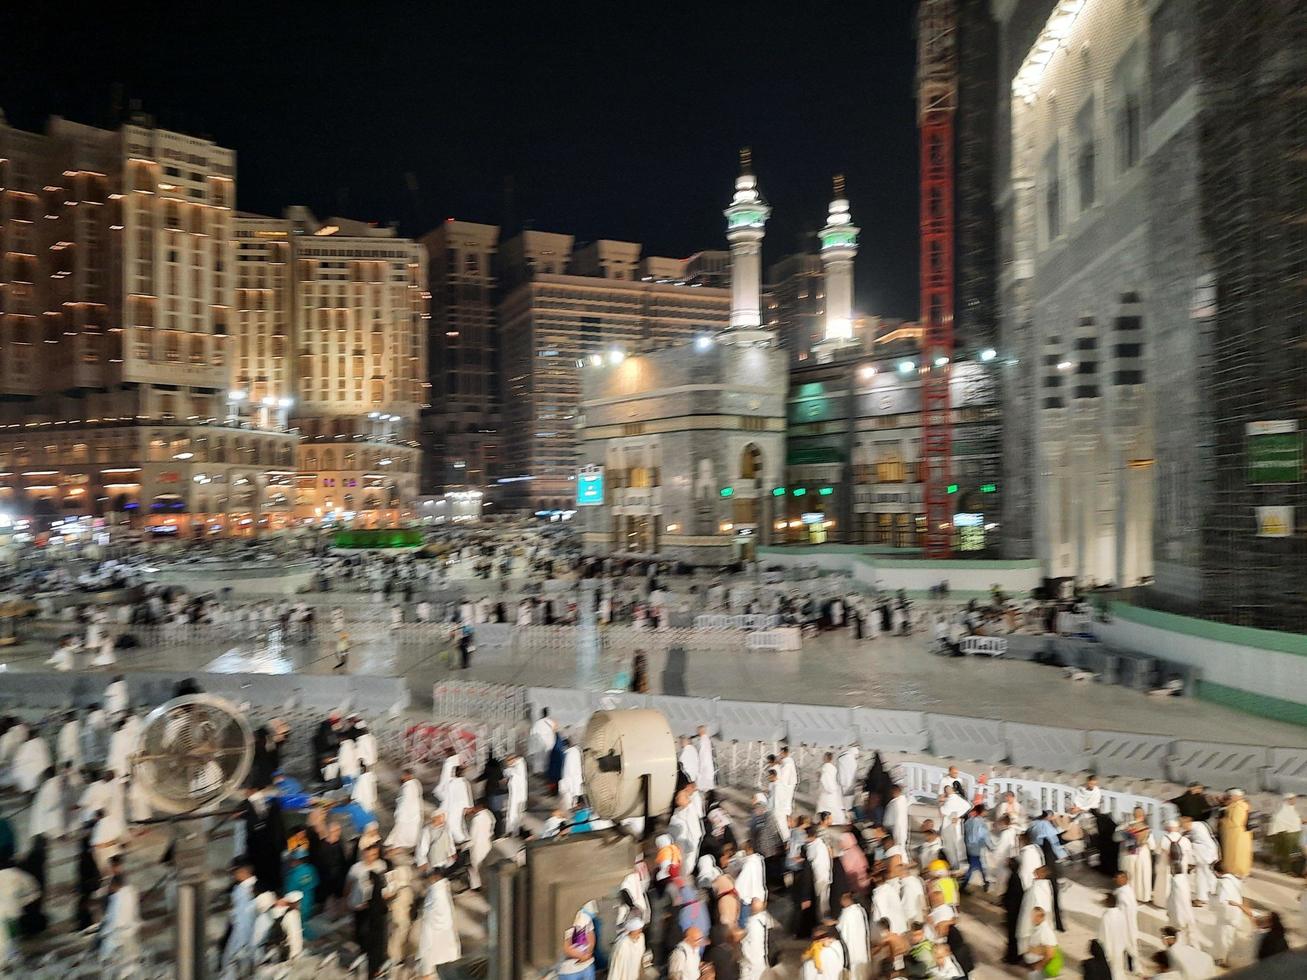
(119, 289)
(460, 429)
(150, 341)
(1147, 303)
(561, 307)
(795, 300)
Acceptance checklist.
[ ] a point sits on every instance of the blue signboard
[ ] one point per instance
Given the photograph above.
(590, 486)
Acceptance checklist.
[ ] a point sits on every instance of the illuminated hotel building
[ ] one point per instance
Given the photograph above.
(145, 344)
(360, 319)
(563, 306)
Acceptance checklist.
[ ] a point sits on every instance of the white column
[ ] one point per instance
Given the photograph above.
(746, 221)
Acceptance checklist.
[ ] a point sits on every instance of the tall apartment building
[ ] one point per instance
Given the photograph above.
(460, 429)
(562, 306)
(149, 339)
(1150, 251)
(118, 289)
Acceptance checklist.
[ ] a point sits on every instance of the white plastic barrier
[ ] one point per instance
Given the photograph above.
(1287, 772)
(987, 646)
(1127, 754)
(750, 721)
(966, 738)
(1216, 764)
(891, 731)
(787, 639)
(571, 709)
(1045, 747)
(815, 724)
(685, 715)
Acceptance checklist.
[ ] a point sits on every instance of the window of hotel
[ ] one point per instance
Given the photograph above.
(1052, 187)
(1086, 152)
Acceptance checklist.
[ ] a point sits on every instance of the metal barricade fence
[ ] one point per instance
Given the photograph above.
(503, 704)
(713, 621)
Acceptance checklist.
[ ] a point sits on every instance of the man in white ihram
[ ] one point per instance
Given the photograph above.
(1206, 854)
(408, 814)
(458, 799)
(569, 784)
(707, 775)
(438, 940)
(1114, 937)
(120, 946)
(689, 760)
(830, 798)
(846, 767)
(896, 816)
(952, 809)
(1178, 856)
(517, 792)
(541, 741)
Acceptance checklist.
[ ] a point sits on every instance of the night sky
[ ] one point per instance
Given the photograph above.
(610, 121)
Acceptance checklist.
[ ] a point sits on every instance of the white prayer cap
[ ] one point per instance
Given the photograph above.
(1237, 794)
(1290, 796)
(633, 924)
(1172, 825)
(663, 840)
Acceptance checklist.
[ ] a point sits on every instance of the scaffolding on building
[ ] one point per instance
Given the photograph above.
(937, 89)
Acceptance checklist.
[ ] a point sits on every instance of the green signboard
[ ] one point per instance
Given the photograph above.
(1274, 452)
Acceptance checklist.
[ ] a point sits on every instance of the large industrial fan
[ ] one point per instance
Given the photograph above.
(628, 761)
(193, 752)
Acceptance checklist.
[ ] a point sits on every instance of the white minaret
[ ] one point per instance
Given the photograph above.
(745, 219)
(839, 244)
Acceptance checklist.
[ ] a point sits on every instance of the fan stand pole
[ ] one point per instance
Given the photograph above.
(192, 859)
(646, 793)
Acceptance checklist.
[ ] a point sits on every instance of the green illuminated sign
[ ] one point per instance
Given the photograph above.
(826, 491)
(952, 488)
(799, 491)
(778, 492)
(728, 491)
(989, 488)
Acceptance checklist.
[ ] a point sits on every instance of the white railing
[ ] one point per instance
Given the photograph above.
(988, 646)
(713, 621)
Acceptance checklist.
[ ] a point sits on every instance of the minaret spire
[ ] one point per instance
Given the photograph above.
(746, 219)
(839, 244)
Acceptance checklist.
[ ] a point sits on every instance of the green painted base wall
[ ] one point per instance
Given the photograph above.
(1254, 704)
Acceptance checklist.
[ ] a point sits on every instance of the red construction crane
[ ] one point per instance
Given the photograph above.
(937, 95)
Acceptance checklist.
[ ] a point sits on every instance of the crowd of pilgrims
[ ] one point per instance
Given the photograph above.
(867, 890)
(871, 893)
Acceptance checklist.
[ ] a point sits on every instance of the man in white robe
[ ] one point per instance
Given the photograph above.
(570, 784)
(435, 848)
(689, 760)
(750, 874)
(515, 808)
(912, 897)
(1038, 896)
(1178, 857)
(627, 960)
(438, 940)
(1187, 959)
(819, 859)
(118, 758)
(116, 697)
(541, 741)
(706, 778)
(480, 838)
(120, 948)
(753, 947)
(1231, 910)
(1206, 853)
(68, 743)
(853, 929)
(896, 818)
(48, 816)
(1129, 906)
(830, 798)
(952, 811)
(1030, 859)
(364, 791)
(458, 800)
(887, 904)
(1114, 937)
(408, 813)
(686, 825)
(447, 768)
(788, 774)
(684, 962)
(846, 768)
(31, 760)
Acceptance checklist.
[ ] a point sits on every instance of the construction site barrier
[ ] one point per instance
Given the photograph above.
(1287, 771)
(894, 731)
(1216, 764)
(956, 737)
(1045, 747)
(1128, 754)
